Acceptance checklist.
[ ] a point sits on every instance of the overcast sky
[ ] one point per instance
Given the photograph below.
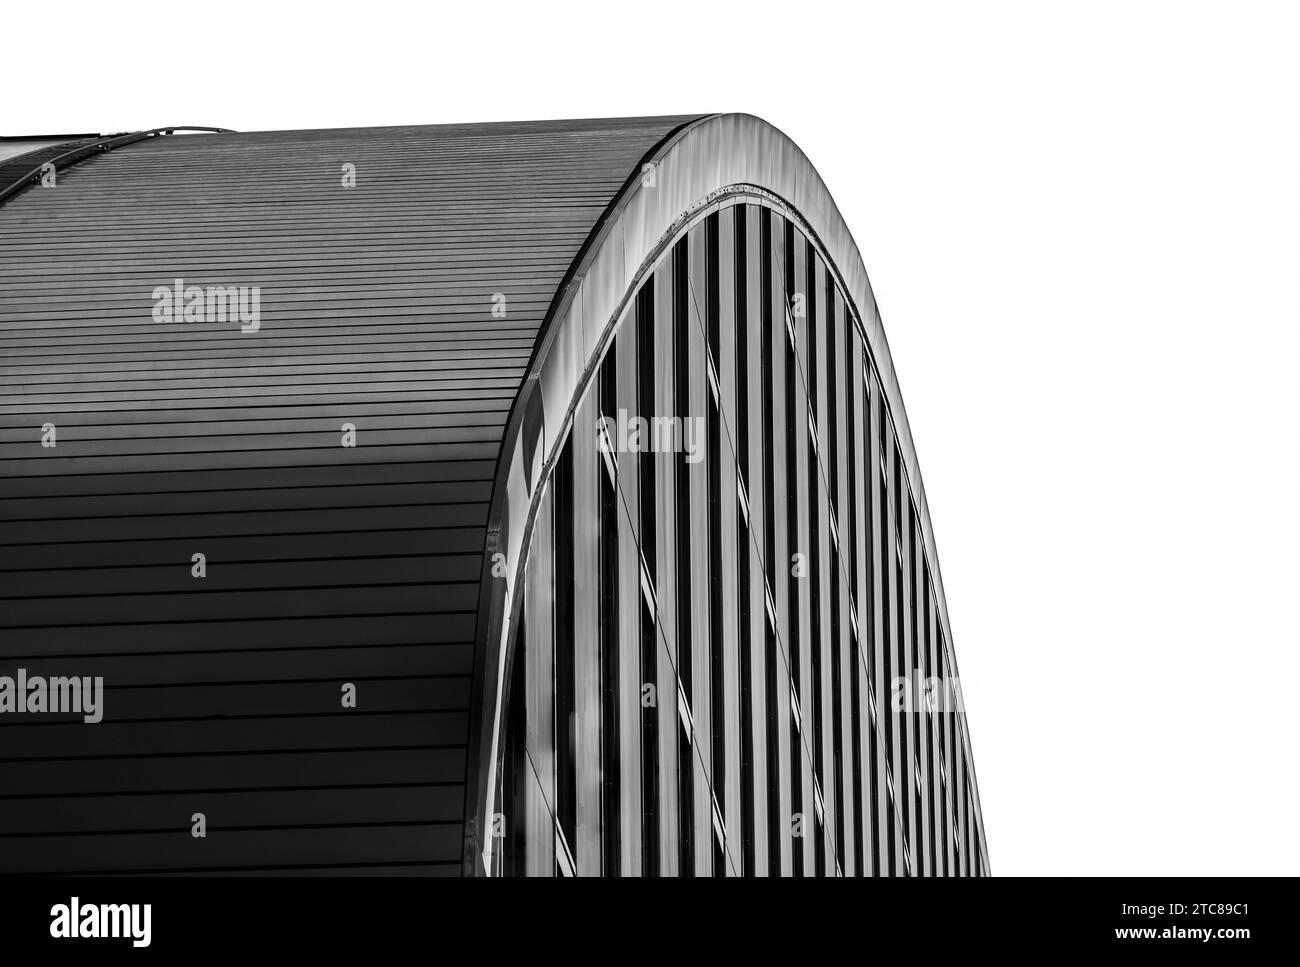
(1082, 224)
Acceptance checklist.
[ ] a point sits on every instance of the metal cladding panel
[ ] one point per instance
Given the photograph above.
(404, 306)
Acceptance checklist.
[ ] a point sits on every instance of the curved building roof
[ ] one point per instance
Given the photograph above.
(275, 409)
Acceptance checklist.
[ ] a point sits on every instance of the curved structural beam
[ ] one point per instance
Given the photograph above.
(708, 161)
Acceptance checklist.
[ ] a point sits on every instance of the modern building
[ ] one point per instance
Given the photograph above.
(527, 498)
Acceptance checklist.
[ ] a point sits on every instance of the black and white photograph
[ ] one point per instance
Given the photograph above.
(670, 441)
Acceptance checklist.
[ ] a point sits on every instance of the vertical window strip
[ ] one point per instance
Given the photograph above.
(742, 343)
(855, 739)
(854, 396)
(716, 509)
(815, 642)
(566, 778)
(646, 359)
(767, 333)
(877, 790)
(903, 780)
(929, 713)
(747, 790)
(712, 298)
(791, 291)
(684, 542)
(887, 620)
(888, 615)
(649, 746)
(685, 804)
(609, 646)
(913, 712)
(775, 816)
(831, 420)
(510, 852)
(837, 710)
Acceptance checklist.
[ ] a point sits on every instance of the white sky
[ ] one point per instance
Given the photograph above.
(1082, 223)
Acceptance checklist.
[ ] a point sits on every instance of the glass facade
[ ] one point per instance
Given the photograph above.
(727, 624)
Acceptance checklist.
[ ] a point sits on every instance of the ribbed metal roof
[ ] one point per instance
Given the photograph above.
(325, 564)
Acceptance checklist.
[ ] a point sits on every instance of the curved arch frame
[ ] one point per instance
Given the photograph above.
(709, 160)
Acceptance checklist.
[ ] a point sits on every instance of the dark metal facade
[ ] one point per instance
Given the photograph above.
(381, 307)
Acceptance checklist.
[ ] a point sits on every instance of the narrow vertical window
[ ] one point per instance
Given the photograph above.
(791, 285)
(913, 765)
(867, 613)
(649, 744)
(645, 389)
(891, 825)
(928, 717)
(791, 512)
(832, 389)
(815, 612)
(887, 622)
(768, 329)
(950, 761)
(566, 789)
(885, 710)
(967, 815)
(852, 378)
(685, 805)
(837, 710)
(747, 791)
(855, 731)
(877, 790)
(712, 293)
(609, 658)
(898, 491)
(684, 542)
(792, 525)
(646, 467)
(717, 671)
(742, 343)
(903, 781)
(511, 857)
(775, 821)
(682, 392)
